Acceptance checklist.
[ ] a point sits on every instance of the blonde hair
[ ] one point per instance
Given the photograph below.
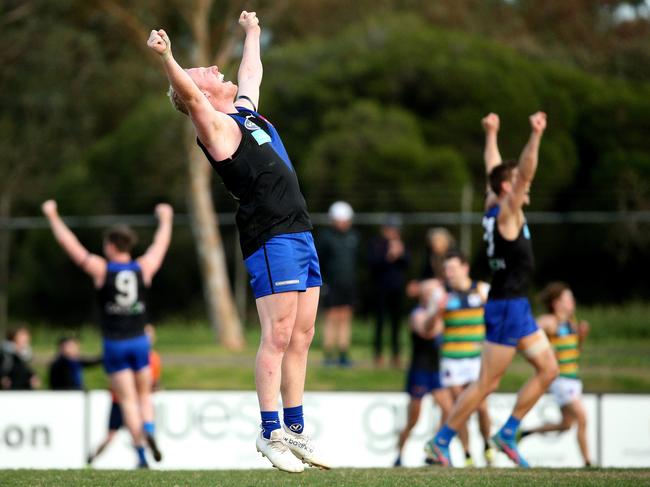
(176, 100)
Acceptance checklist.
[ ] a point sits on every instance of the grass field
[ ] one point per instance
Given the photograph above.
(315, 478)
(616, 358)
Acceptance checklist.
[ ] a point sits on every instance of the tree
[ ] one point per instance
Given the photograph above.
(212, 43)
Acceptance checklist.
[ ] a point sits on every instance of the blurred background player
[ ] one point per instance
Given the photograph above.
(15, 355)
(463, 336)
(115, 420)
(66, 370)
(509, 322)
(388, 261)
(338, 246)
(567, 336)
(274, 229)
(424, 372)
(121, 283)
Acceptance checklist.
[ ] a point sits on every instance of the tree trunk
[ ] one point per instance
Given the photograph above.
(222, 312)
(5, 237)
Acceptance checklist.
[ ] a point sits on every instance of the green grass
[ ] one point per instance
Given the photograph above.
(616, 357)
(313, 478)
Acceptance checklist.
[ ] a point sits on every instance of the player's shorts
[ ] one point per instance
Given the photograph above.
(565, 390)
(421, 382)
(337, 295)
(459, 371)
(508, 320)
(131, 353)
(286, 262)
(115, 421)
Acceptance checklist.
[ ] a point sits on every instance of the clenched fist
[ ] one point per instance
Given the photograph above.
(159, 42)
(49, 208)
(249, 20)
(164, 211)
(538, 122)
(491, 123)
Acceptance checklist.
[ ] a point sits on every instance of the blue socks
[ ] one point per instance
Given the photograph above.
(444, 436)
(141, 457)
(149, 428)
(270, 422)
(294, 419)
(509, 430)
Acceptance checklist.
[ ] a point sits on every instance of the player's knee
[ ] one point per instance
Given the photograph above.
(549, 372)
(278, 340)
(301, 338)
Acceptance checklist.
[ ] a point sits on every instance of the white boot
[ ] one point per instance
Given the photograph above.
(277, 452)
(303, 448)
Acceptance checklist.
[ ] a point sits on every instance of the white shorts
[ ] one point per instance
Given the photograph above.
(459, 371)
(566, 390)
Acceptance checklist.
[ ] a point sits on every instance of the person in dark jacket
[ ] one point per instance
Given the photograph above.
(338, 246)
(66, 370)
(388, 259)
(15, 354)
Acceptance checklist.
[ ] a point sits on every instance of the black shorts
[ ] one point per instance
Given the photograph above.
(337, 295)
(115, 421)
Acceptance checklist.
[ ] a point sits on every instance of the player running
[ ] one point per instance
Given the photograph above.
(274, 228)
(464, 332)
(424, 373)
(567, 336)
(121, 283)
(509, 323)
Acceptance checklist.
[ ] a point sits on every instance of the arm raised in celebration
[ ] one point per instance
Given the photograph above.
(249, 76)
(91, 264)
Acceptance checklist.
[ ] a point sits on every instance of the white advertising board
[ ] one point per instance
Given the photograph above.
(42, 429)
(625, 430)
(217, 430)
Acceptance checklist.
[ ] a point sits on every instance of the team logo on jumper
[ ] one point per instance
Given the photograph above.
(250, 125)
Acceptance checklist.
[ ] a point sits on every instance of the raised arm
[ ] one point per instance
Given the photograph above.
(92, 264)
(207, 121)
(249, 76)
(527, 162)
(153, 258)
(491, 155)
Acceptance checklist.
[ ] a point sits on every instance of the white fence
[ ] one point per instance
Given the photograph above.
(214, 430)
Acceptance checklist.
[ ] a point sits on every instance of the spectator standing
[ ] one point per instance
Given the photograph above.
(338, 246)
(439, 243)
(388, 260)
(15, 372)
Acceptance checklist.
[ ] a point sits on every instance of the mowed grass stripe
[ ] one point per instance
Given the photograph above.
(401, 477)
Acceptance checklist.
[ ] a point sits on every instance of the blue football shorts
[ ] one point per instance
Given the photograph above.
(286, 262)
(508, 320)
(421, 382)
(130, 353)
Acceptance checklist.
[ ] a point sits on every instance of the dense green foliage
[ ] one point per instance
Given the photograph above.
(381, 110)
